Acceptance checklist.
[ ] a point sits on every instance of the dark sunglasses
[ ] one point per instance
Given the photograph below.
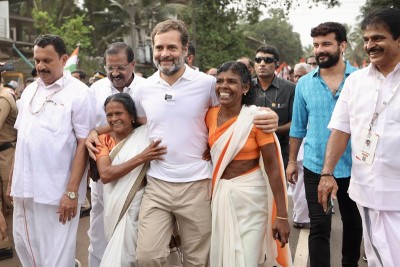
(267, 60)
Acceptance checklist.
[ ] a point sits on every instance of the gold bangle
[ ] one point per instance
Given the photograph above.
(282, 218)
(292, 161)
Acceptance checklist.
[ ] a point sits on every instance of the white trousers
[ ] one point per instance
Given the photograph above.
(96, 235)
(40, 239)
(381, 237)
(300, 208)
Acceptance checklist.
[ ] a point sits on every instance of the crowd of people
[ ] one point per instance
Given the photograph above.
(190, 168)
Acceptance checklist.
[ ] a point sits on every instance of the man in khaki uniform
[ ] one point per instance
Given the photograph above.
(8, 138)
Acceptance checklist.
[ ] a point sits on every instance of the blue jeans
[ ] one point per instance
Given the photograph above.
(320, 224)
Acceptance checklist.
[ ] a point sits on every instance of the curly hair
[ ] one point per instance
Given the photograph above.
(326, 28)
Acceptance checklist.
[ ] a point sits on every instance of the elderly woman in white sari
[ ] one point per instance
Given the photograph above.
(248, 227)
(121, 160)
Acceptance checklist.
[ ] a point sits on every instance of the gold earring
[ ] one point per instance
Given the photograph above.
(244, 93)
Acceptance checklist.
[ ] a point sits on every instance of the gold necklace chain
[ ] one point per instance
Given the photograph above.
(47, 99)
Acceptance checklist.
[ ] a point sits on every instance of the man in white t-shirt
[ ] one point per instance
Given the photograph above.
(119, 62)
(48, 181)
(368, 112)
(174, 102)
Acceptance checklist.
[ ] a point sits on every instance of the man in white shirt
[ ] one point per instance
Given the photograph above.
(174, 102)
(368, 112)
(48, 184)
(119, 62)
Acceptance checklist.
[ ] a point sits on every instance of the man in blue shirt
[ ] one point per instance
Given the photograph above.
(315, 99)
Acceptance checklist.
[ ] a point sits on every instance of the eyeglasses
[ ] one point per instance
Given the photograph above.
(118, 68)
(313, 63)
(267, 60)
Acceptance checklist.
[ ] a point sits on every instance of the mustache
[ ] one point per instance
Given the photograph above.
(43, 71)
(373, 49)
(119, 76)
(322, 54)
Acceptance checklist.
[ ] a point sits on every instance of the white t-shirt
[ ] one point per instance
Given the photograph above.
(102, 89)
(176, 114)
(375, 186)
(47, 138)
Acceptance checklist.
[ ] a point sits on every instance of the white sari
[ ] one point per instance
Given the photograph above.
(122, 236)
(242, 207)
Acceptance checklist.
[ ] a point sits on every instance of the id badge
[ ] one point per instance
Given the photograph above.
(368, 140)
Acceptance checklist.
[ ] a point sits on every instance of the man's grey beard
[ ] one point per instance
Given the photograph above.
(173, 69)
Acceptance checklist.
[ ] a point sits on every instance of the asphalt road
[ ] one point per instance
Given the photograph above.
(298, 243)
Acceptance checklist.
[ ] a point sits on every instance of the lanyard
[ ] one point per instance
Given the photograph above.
(385, 101)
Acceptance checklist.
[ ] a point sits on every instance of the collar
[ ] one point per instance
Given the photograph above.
(126, 88)
(275, 82)
(349, 69)
(59, 83)
(372, 70)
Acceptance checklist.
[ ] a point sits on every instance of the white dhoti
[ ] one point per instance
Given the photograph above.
(381, 237)
(97, 239)
(40, 239)
(239, 221)
(122, 236)
(300, 208)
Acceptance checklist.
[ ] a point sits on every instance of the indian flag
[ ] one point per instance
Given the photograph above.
(72, 62)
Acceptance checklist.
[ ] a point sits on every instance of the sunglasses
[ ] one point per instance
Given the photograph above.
(267, 60)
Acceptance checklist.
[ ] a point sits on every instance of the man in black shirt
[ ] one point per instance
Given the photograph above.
(274, 92)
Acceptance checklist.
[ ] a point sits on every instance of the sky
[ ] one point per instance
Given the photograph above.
(303, 19)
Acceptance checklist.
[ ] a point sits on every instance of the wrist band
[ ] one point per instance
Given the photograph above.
(282, 218)
(94, 129)
(292, 161)
(327, 174)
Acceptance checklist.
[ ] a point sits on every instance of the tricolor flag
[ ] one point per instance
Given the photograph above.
(72, 62)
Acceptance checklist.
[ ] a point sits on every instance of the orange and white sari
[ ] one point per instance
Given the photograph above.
(243, 208)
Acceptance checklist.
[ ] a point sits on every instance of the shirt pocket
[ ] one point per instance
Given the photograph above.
(53, 116)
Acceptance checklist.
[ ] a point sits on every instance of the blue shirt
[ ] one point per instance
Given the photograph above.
(312, 110)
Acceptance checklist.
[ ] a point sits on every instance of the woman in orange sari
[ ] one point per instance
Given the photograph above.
(243, 212)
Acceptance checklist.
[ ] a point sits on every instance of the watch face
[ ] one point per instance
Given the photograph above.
(72, 195)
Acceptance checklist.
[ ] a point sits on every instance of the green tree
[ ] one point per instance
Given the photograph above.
(277, 31)
(73, 31)
(214, 32)
(373, 4)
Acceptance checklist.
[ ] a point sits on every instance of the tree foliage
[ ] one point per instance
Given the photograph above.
(373, 4)
(214, 32)
(73, 30)
(277, 31)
